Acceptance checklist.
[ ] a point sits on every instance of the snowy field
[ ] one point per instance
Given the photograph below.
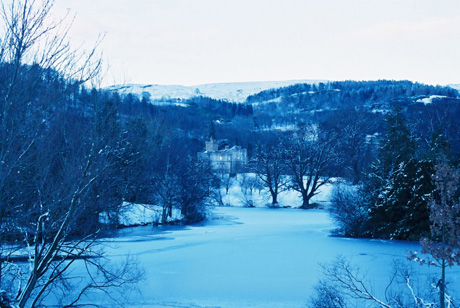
(246, 257)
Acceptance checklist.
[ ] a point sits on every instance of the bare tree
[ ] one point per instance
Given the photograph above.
(349, 210)
(355, 148)
(444, 244)
(309, 159)
(168, 191)
(225, 180)
(196, 185)
(48, 236)
(47, 169)
(345, 285)
(268, 164)
(31, 39)
(249, 184)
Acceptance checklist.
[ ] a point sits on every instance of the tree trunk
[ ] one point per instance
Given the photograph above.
(443, 284)
(442, 292)
(274, 197)
(305, 201)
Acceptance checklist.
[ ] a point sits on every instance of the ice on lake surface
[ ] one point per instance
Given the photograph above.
(247, 257)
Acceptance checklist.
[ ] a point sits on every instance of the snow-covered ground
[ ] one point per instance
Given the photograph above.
(247, 257)
(242, 190)
(233, 92)
(239, 193)
(143, 214)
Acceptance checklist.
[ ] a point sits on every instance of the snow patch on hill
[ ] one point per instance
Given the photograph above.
(232, 92)
(429, 99)
(454, 86)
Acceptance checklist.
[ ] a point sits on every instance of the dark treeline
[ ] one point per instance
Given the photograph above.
(62, 140)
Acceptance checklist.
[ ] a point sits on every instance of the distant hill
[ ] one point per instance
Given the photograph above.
(257, 112)
(455, 86)
(236, 92)
(371, 95)
(284, 105)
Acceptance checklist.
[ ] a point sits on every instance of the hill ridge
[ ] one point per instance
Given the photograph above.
(230, 91)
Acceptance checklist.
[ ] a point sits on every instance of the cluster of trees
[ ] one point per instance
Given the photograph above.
(69, 152)
(410, 192)
(392, 199)
(343, 285)
(304, 161)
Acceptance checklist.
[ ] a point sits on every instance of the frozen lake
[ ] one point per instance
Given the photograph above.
(247, 257)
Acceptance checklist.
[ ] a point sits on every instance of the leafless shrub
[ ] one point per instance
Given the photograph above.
(345, 285)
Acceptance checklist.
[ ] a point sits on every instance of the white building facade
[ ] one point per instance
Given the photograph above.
(229, 160)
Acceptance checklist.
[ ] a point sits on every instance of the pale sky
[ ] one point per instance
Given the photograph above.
(191, 42)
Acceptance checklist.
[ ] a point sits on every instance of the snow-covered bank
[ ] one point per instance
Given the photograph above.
(132, 214)
(143, 214)
(239, 191)
(245, 188)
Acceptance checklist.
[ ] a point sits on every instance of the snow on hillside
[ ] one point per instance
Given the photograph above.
(454, 86)
(233, 92)
(156, 92)
(429, 99)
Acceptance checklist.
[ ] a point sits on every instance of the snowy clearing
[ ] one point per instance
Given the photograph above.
(245, 188)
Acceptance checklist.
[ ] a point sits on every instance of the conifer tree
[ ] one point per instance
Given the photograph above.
(402, 210)
(389, 189)
(398, 144)
(439, 147)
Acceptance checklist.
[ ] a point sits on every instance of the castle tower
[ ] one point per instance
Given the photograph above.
(212, 145)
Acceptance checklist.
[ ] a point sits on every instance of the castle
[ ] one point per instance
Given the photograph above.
(229, 160)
